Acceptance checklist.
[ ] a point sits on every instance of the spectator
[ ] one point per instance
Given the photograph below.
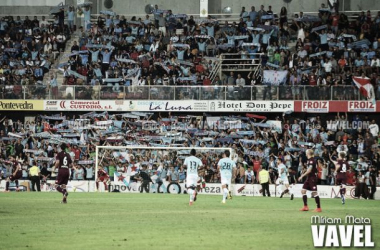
(173, 175)
(79, 173)
(240, 81)
(249, 176)
(89, 172)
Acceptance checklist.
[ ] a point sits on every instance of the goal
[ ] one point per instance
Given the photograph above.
(164, 165)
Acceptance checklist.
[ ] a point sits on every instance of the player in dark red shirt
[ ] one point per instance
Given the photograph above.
(63, 163)
(16, 173)
(341, 167)
(102, 177)
(311, 181)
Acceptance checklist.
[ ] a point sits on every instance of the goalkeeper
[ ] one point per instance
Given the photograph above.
(102, 177)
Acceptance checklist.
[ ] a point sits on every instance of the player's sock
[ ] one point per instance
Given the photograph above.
(105, 186)
(7, 186)
(97, 185)
(225, 193)
(285, 192)
(342, 192)
(16, 181)
(304, 198)
(318, 201)
(59, 189)
(191, 193)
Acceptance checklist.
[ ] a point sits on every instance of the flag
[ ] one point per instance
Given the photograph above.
(319, 28)
(275, 77)
(365, 87)
(256, 116)
(275, 125)
(120, 178)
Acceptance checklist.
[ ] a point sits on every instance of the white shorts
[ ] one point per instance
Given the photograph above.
(191, 180)
(225, 180)
(281, 181)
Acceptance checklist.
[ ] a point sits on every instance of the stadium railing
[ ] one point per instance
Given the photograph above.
(232, 17)
(212, 92)
(240, 62)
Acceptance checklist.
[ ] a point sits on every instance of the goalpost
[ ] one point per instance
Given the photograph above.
(155, 158)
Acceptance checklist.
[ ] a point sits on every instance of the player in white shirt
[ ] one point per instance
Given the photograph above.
(192, 164)
(283, 179)
(226, 166)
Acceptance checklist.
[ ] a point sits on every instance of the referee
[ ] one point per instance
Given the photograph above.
(34, 173)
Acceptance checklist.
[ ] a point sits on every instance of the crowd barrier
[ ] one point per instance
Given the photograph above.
(175, 93)
(248, 190)
(307, 106)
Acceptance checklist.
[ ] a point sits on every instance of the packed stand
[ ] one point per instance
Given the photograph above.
(28, 49)
(256, 142)
(169, 49)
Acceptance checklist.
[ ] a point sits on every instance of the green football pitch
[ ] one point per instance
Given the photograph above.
(164, 221)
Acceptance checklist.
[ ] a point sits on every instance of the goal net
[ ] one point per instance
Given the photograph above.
(134, 169)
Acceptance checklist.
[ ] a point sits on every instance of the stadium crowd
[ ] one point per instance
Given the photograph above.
(255, 143)
(175, 49)
(28, 49)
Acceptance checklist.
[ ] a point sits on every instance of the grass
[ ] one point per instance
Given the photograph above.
(164, 221)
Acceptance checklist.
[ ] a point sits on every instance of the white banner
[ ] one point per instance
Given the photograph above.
(203, 8)
(31, 2)
(329, 192)
(72, 186)
(212, 188)
(168, 106)
(135, 187)
(323, 191)
(84, 105)
(251, 106)
(159, 106)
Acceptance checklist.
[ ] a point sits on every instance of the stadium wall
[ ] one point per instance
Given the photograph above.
(136, 7)
(329, 192)
(30, 9)
(215, 6)
(191, 106)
